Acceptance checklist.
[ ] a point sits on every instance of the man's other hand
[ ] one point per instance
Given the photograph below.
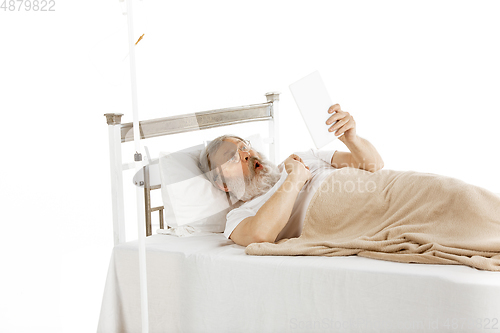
(296, 169)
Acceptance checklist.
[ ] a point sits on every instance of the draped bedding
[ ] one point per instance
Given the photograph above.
(398, 216)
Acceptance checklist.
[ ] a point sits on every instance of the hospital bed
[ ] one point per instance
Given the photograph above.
(206, 283)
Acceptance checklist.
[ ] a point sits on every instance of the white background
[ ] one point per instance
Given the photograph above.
(420, 77)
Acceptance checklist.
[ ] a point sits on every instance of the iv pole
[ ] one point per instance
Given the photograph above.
(138, 165)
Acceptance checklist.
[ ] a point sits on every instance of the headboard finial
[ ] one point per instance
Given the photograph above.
(273, 96)
(113, 118)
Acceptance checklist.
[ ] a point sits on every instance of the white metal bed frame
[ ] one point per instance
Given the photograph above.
(120, 133)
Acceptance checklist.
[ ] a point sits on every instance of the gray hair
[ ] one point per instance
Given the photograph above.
(205, 164)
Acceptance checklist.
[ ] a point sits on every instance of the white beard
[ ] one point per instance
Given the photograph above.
(254, 185)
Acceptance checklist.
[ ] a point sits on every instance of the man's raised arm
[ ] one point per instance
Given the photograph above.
(363, 154)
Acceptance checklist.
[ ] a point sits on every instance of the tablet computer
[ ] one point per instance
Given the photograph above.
(313, 101)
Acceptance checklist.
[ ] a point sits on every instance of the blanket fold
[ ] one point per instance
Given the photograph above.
(402, 216)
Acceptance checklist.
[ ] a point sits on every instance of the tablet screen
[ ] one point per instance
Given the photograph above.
(313, 101)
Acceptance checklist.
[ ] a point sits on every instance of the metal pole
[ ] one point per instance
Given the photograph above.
(138, 165)
(274, 97)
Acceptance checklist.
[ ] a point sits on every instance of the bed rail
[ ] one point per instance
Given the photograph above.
(121, 133)
(198, 121)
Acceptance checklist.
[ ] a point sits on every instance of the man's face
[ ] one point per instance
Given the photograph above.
(237, 159)
(242, 171)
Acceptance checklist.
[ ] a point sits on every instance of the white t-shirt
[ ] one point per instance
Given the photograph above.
(319, 164)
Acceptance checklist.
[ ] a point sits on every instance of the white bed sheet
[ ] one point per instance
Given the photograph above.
(206, 283)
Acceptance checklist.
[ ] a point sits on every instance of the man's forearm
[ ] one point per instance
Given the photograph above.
(274, 214)
(364, 154)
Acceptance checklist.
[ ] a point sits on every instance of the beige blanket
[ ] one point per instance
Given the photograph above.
(398, 216)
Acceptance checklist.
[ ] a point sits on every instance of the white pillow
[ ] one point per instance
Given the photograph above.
(188, 196)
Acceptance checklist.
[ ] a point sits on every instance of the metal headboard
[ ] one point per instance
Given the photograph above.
(120, 133)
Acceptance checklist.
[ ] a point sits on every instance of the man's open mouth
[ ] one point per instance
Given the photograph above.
(257, 165)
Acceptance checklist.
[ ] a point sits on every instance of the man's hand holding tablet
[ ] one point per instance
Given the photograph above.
(313, 101)
(342, 123)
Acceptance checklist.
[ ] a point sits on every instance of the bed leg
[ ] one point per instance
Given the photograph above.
(115, 159)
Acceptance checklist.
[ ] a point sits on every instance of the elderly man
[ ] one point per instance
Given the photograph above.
(276, 197)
